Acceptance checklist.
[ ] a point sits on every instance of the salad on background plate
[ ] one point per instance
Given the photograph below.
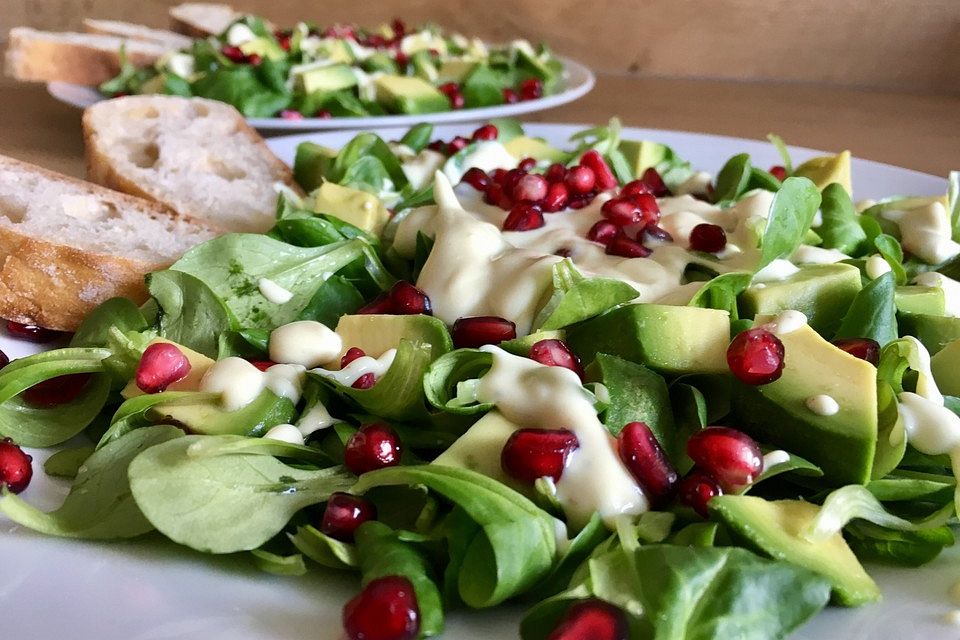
(644, 401)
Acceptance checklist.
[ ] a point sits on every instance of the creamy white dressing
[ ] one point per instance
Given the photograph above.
(315, 419)
(697, 184)
(239, 382)
(876, 265)
(181, 64)
(487, 156)
(285, 381)
(285, 433)
(926, 232)
(362, 365)
(305, 342)
(423, 40)
(419, 168)
(776, 271)
(240, 34)
(774, 458)
(949, 286)
(786, 322)
(822, 405)
(273, 292)
(806, 254)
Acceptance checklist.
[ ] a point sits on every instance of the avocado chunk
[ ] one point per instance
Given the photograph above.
(455, 70)
(376, 333)
(521, 346)
(199, 364)
(405, 94)
(934, 332)
(641, 154)
(842, 444)
(919, 299)
(775, 528)
(208, 418)
(669, 339)
(480, 447)
(380, 62)
(328, 79)
(525, 147)
(424, 66)
(263, 47)
(359, 208)
(826, 170)
(944, 368)
(823, 292)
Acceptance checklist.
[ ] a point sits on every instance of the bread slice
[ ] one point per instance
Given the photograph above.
(201, 19)
(80, 58)
(199, 157)
(131, 31)
(67, 245)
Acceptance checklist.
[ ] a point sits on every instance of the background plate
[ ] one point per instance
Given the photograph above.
(150, 589)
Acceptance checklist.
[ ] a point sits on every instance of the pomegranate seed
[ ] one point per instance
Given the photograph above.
(4, 359)
(402, 59)
(863, 348)
(556, 173)
(531, 187)
(386, 609)
(592, 619)
(527, 164)
(323, 114)
(382, 304)
(778, 172)
(626, 247)
(341, 31)
(406, 300)
(499, 175)
(658, 233)
(161, 365)
(476, 331)
(486, 132)
(365, 381)
(496, 195)
(537, 453)
(510, 96)
(605, 178)
(511, 178)
(579, 201)
(555, 353)
(531, 89)
(524, 217)
(31, 332)
(755, 356)
(649, 209)
(439, 146)
(254, 59)
(603, 232)
(233, 54)
(399, 28)
(563, 252)
(697, 489)
(15, 467)
(580, 179)
(374, 446)
(653, 180)
(291, 114)
(557, 197)
(283, 39)
(344, 513)
(635, 188)
(56, 391)
(262, 365)
(352, 354)
(709, 238)
(457, 144)
(476, 178)
(647, 462)
(453, 93)
(729, 456)
(621, 212)
(457, 100)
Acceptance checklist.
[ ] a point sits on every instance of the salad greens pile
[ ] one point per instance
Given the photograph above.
(861, 481)
(345, 71)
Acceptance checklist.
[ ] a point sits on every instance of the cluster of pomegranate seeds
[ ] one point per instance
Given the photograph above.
(592, 619)
(635, 206)
(15, 468)
(403, 299)
(161, 365)
(374, 446)
(524, 216)
(696, 489)
(709, 238)
(652, 178)
(471, 332)
(350, 355)
(236, 55)
(486, 132)
(556, 353)
(31, 332)
(453, 93)
(755, 357)
(56, 391)
(531, 89)
(778, 172)
(365, 381)
(726, 460)
(530, 454)
(344, 513)
(648, 463)
(386, 609)
(863, 348)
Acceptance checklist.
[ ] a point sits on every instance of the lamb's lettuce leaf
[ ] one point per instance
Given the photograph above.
(841, 228)
(873, 312)
(790, 217)
(576, 298)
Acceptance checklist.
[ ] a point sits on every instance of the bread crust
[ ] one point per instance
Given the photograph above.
(132, 31)
(182, 20)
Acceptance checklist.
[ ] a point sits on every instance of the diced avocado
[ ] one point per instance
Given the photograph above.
(946, 373)
(935, 332)
(525, 147)
(424, 66)
(825, 170)
(263, 47)
(919, 299)
(521, 346)
(776, 527)
(455, 70)
(327, 79)
(375, 333)
(208, 418)
(823, 292)
(641, 154)
(359, 208)
(337, 50)
(199, 364)
(312, 163)
(410, 95)
(669, 339)
(480, 447)
(380, 62)
(842, 444)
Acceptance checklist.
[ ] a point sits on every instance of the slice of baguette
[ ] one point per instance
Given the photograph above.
(201, 19)
(80, 58)
(67, 245)
(199, 157)
(131, 31)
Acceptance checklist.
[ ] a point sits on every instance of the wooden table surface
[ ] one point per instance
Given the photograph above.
(920, 132)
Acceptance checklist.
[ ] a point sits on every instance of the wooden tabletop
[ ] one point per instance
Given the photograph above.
(910, 130)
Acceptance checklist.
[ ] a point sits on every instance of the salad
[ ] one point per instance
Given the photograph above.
(645, 401)
(346, 71)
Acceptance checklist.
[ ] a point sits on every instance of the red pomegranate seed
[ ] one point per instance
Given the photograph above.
(647, 462)
(497, 195)
(438, 145)
(254, 59)
(56, 391)
(531, 187)
(557, 197)
(556, 353)
(524, 217)
(778, 172)
(31, 332)
(375, 41)
(407, 299)
(580, 179)
(707, 237)
(511, 178)
(161, 365)
(621, 211)
(476, 178)
(399, 28)
(365, 381)
(476, 331)
(605, 178)
(282, 36)
(457, 144)
(729, 456)
(382, 304)
(486, 132)
(649, 209)
(4, 359)
(755, 357)
(510, 96)
(352, 354)
(344, 513)
(697, 489)
(658, 233)
(291, 114)
(555, 172)
(531, 89)
(15, 467)
(635, 188)
(537, 453)
(233, 54)
(341, 31)
(499, 175)
(374, 446)
(453, 93)
(592, 619)
(603, 232)
(657, 186)
(863, 348)
(626, 247)
(402, 59)
(323, 114)
(262, 365)
(386, 609)
(527, 164)
(579, 201)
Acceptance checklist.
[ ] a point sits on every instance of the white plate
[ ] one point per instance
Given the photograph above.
(151, 590)
(578, 78)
